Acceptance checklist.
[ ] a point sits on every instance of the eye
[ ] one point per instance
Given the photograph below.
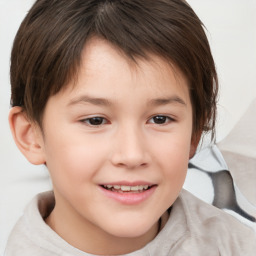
(95, 121)
(160, 119)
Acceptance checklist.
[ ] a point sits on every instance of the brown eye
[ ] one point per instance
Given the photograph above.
(95, 121)
(160, 119)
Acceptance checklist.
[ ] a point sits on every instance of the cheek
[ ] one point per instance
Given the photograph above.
(174, 158)
(72, 159)
(175, 147)
(174, 164)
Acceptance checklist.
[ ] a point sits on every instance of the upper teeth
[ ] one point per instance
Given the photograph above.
(127, 188)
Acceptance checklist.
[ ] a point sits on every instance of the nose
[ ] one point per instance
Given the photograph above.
(130, 149)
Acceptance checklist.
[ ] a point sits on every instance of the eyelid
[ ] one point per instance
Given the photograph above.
(170, 118)
(87, 119)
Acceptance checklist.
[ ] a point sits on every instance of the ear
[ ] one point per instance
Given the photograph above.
(194, 143)
(27, 136)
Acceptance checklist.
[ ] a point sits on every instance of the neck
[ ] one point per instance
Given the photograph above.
(90, 238)
(95, 241)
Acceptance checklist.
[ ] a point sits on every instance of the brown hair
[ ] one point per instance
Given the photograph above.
(47, 49)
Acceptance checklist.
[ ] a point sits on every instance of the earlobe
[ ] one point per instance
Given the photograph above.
(27, 136)
(192, 151)
(194, 144)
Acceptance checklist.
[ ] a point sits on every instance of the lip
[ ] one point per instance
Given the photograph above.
(128, 183)
(129, 198)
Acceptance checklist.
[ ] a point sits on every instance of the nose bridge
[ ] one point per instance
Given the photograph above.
(129, 149)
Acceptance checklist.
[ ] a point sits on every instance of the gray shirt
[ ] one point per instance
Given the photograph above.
(193, 228)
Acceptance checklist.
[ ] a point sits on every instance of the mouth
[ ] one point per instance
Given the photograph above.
(127, 193)
(127, 189)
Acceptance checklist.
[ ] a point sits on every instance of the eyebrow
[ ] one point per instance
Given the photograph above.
(91, 100)
(166, 101)
(106, 102)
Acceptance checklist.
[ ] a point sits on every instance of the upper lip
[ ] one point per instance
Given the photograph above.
(128, 183)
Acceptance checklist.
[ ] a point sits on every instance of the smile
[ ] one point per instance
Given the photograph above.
(128, 194)
(125, 188)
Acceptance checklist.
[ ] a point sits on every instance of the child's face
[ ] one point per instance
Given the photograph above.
(121, 125)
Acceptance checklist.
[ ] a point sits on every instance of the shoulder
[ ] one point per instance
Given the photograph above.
(32, 236)
(212, 227)
(196, 228)
(197, 211)
(23, 239)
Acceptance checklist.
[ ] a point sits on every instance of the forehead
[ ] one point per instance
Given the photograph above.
(104, 68)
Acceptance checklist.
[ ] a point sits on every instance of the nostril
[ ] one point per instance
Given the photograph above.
(129, 162)
(130, 152)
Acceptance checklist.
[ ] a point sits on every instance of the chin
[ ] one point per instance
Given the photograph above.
(134, 230)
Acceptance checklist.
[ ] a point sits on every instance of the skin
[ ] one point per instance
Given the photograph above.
(142, 133)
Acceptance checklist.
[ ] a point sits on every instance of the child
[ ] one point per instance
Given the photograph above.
(113, 96)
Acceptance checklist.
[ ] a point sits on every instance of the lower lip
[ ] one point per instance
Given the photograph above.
(129, 198)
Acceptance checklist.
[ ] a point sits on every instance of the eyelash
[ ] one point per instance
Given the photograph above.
(97, 119)
(164, 118)
(102, 121)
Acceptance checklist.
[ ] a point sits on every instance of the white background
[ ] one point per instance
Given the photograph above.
(231, 26)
